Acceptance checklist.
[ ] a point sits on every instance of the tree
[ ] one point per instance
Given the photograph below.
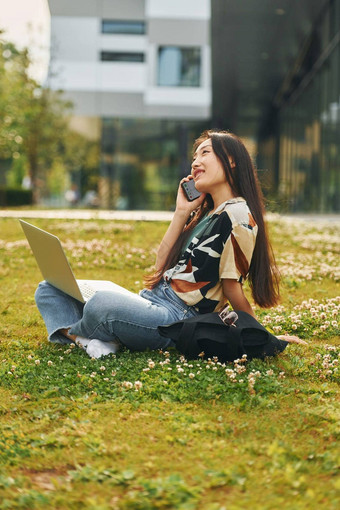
(35, 121)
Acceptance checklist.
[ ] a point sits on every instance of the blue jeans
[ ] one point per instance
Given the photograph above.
(130, 318)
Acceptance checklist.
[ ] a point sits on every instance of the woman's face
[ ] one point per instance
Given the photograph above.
(207, 170)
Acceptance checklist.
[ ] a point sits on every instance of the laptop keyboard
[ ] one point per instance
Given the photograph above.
(86, 290)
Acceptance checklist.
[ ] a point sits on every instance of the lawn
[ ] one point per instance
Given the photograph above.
(152, 430)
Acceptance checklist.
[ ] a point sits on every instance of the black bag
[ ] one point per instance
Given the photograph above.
(226, 335)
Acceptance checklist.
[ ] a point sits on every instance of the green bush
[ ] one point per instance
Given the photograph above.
(15, 196)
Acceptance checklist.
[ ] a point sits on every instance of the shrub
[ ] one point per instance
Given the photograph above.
(15, 196)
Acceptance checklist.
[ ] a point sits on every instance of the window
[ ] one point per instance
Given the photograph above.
(143, 160)
(114, 56)
(123, 27)
(179, 67)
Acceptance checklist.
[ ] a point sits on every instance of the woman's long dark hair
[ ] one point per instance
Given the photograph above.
(263, 274)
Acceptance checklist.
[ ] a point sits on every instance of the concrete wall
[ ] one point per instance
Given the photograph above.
(128, 88)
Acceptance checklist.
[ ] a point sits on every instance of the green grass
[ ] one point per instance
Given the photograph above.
(152, 430)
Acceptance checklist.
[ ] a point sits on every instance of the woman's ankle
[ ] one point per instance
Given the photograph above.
(66, 333)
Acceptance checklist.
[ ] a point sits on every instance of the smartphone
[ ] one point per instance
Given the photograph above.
(190, 190)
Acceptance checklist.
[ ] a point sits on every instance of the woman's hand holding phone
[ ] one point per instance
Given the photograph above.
(186, 194)
(190, 190)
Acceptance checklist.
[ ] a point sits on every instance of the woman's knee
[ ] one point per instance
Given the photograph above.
(41, 291)
(99, 306)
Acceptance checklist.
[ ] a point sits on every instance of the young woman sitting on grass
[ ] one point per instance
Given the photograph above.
(211, 246)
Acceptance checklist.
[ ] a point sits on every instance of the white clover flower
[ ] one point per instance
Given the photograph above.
(294, 326)
(102, 368)
(231, 374)
(191, 375)
(49, 363)
(127, 384)
(138, 385)
(37, 362)
(270, 372)
(61, 358)
(151, 364)
(180, 369)
(240, 369)
(29, 357)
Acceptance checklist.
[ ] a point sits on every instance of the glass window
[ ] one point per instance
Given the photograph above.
(142, 161)
(114, 56)
(123, 27)
(179, 67)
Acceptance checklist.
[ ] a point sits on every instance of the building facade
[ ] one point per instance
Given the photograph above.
(138, 73)
(147, 76)
(276, 79)
(308, 121)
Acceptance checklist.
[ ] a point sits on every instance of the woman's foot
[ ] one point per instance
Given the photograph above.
(98, 348)
(94, 348)
(292, 339)
(82, 342)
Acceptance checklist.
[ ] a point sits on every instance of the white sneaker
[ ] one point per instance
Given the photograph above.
(98, 348)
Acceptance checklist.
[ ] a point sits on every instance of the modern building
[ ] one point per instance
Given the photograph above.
(139, 75)
(276, 78)
(142, 80)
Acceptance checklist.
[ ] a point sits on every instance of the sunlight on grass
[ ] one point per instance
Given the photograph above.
(153, 430)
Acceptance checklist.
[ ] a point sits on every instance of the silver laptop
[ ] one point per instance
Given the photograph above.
(56, 269)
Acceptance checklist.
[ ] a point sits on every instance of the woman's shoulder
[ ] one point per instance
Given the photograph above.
(238, 211)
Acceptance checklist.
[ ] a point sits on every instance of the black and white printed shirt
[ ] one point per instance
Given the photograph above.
(222, 250)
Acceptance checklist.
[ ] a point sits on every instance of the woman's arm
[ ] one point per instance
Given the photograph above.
(233, 291)
(183, 210)
(174, 231)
